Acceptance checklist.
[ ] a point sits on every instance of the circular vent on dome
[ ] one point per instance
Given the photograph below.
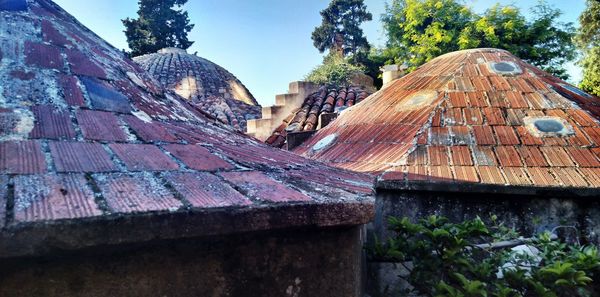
(324, 143)
(548, 126)
(505, 68)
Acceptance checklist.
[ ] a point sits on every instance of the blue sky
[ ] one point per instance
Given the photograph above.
(265, 43)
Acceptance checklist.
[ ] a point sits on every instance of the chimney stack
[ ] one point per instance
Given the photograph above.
(392, 72)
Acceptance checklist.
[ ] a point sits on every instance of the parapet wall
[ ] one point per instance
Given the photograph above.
(285, 104)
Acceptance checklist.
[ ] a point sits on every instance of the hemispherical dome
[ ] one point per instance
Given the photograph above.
(211, 87)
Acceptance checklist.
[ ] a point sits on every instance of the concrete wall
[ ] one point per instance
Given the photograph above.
(530, 214)
(285, 104)
(293, 262)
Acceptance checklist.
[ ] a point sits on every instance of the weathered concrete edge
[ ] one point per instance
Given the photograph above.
(462, 187)
(37, 239)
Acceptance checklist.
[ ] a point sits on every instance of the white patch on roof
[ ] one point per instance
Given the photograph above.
(22, 122)
(324, 143)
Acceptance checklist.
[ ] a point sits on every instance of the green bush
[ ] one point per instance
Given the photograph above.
(454, 259)
(335, 70)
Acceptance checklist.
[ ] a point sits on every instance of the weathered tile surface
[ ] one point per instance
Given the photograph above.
(80, 157)
(259, 186)
(53, 197)
(142, 157)
(100, 125)
(22, 157)
(204, 190)
(126, 193)
(197, 157)
(484, 125)
(51, 124)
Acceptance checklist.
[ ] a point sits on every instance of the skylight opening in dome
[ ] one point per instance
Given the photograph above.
(505, 68)
(575, 90)
(548, 126)
(324, 143)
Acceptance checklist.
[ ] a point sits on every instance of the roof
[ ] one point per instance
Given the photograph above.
(94, 152)
(479, 116)
(327, 99)
(209, 86)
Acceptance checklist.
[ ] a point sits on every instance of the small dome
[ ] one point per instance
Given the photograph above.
(211, 87)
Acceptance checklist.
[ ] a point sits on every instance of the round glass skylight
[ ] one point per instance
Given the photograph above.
(575, 90)
(324, 143)
(548, 126)
(505, 68)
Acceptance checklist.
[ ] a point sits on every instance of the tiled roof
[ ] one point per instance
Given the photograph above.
(306, 118)
(477, 116)
(207, 85)
(92, 150)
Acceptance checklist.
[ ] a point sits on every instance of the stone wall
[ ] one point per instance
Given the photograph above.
(292, 262)
(529, 214)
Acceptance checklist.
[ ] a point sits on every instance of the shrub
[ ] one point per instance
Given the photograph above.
(335, 70)
(453, 259)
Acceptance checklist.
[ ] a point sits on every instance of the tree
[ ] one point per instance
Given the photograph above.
(340, 29)
(420, 30)
(588, 41)
(335, 70)
(160, 24)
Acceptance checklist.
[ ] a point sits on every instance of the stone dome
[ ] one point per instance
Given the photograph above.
(209, 86)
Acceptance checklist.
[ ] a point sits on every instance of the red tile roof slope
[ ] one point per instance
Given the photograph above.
(90, 145)
(208, 85)
(306, 118)
(455, 119)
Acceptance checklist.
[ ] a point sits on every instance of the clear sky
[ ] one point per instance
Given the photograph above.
(265, 43)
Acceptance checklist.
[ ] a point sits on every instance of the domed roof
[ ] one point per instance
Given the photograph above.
(476, 116)
(208, 85)
(91, 148)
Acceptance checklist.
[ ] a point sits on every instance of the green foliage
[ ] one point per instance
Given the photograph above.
(588, 41)
(335, 70)
(160, 24)
(371, 62)
(420, 30)
(453, 259)
(340, 28)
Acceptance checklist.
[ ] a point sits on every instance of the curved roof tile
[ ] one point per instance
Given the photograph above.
(92, 148)
(477, 116)
(306, 118)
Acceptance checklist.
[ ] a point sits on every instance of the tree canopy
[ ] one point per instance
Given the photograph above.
(160, 24)
(340, 28)
(420, 30)
(588, 41)
(335, 70)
